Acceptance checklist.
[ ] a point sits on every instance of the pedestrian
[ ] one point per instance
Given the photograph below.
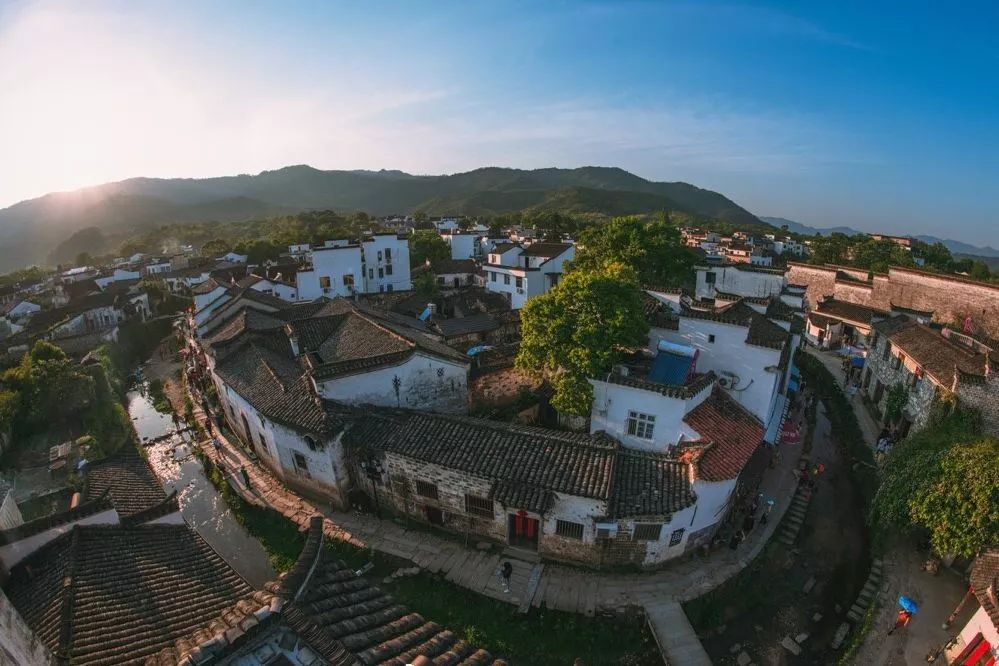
(506, 572)
(208, 426)
(766, 511)
(901, 620)
(246, 477)
(217, 443)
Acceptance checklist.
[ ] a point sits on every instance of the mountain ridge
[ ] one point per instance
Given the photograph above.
(30, 228)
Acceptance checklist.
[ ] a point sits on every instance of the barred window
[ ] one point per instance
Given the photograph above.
(648, 531)
(569, 529)
(676, 537)
(428, 490)
(480, 506)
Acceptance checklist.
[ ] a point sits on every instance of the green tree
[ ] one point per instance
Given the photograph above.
(831, 249)
(427, 245)
(979, 270)
(215, 248)
(258, 251)
(52, 386)
(935, 256)
(425, 286)
(878, 255)
(580, 329)
(553, 226)
(83, 259)
(654, 249)
(960, 507)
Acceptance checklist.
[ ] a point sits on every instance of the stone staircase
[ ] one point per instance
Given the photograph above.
(867, 594)
(795, 516)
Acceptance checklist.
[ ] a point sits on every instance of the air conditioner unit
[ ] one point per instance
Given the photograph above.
(520, 290)
(728, 379)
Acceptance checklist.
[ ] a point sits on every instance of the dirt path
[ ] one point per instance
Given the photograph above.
(768, 603)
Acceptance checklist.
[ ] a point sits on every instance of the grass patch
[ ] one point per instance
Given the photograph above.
(858, 637)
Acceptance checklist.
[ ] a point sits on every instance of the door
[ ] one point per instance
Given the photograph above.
(434, 515)
(523, 531)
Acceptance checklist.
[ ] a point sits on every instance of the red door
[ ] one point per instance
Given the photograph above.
(523, 532)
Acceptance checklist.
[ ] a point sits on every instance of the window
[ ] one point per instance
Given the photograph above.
(648, 531)
(389, 288)
(348, 281)
(480, 506)
(641, 425)
(569, 529)
(381, 273)
(311, 443)
(371, 273)
(301, 464)
(711, 337)
(324, 281)
(379, 255)
(388, 270)
(492, 276)
(887, 352)
(709, 277)
(676, 537)
(520, 282)
(506, 279)
(428, 490)
(388, 256)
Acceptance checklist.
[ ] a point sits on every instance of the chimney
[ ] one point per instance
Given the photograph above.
(293, 339)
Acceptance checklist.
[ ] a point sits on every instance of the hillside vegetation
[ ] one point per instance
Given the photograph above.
(42, 230)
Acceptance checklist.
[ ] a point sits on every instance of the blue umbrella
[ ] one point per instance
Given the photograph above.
(908, 604)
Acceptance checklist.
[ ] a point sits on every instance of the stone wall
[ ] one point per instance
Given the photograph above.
(983, 395)
(890, 372)
(18, 644)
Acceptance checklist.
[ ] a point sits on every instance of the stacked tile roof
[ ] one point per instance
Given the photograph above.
(127, 478)
(984, 581)
(113, 595)
(849, 311)
(323, 604)
(939, 357)
(649, 484)
(733, 435)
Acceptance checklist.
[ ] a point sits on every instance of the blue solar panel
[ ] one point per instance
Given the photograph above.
(670, 368)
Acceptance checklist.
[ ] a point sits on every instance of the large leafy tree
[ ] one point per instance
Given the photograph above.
(878, 255)
(653, 248)
(427, 245)
(51, 385)
(580, 329)
(831, 249)
(945, 480)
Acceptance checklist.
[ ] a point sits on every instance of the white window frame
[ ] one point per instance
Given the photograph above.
(641, 425)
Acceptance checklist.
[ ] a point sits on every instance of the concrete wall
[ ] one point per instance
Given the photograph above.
(462, 245)
(285, 292)
(333, 263)
(378, 278)
(10, 515)
(420, 382)
(18, 644)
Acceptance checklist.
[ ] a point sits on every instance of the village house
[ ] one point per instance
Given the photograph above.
(521, 273)
(952, 300)
(463, 244)
(833, 323)
(343, 267)
(929, 364)
(740, 279)
(456, 272)
(978, 639)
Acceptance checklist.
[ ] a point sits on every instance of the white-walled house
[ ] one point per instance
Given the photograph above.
(739, 279)
(343, 267)
(463, 244)
(283, 290)
(522, 273)
(18, 309)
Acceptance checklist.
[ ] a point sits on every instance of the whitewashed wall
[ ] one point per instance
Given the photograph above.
(424, 382)
(612, 402)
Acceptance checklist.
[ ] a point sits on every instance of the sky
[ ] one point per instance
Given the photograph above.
(881, 116)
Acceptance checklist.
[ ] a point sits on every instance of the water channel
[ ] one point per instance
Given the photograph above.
(200, 504)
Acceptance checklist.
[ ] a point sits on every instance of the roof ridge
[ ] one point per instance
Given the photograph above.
(64, 652)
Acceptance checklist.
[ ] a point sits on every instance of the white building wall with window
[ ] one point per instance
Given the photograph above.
(463, 245)
(723, 349)
(285, 292)
(305, 461)
(732, 280)
(386, 258)
(334, 271)
(614, 404)
(419, 382)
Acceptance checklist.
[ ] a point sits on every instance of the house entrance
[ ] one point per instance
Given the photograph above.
(523, 531)
(434, 515)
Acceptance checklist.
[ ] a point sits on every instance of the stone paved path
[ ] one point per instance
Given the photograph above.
(560, 587)
(868, 425)
(677, 640)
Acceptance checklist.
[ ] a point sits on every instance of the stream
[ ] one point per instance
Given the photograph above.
(200, 504)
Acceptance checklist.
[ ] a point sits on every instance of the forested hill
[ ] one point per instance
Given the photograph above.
(31, 229)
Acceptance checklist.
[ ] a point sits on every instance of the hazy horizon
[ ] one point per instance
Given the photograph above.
(829, 116)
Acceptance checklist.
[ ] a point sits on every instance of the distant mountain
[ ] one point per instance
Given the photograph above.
(805, 230)
(956, 247)
(30, 230)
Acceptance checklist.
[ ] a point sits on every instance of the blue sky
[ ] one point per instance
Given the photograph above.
(882, 116)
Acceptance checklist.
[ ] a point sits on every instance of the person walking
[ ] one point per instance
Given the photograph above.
(246, 477)
(506, 572)
(217, 443)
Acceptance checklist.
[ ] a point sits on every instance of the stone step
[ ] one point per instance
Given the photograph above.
(858, 608)
(854, 617)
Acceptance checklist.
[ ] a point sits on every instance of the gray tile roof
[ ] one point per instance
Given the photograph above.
(476, 323)
(571, 463)
(836, 309)
(649, 484)
(115, 595)
(129, 481)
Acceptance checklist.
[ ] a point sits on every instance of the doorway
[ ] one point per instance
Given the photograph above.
(434, 515)
(523, 531)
